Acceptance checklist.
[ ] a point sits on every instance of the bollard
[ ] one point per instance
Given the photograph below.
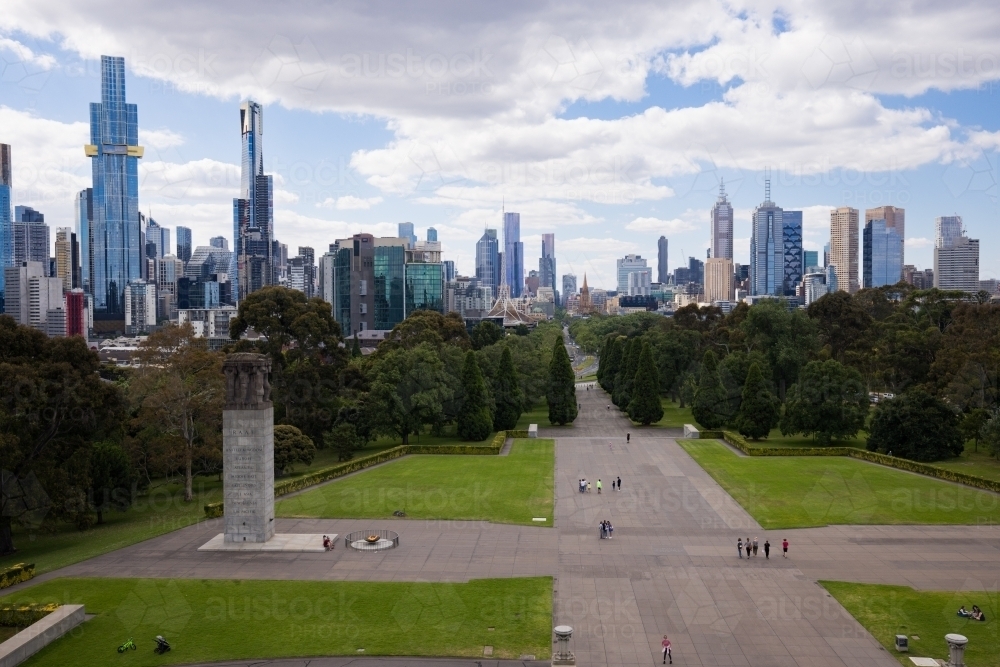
(956, 650)
(562, 655)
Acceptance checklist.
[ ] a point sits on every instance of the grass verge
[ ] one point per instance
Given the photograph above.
(207, 620)
(803, 491)
(504, 489)
(887, 611)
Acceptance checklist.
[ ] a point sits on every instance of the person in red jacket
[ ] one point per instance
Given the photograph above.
(784, 548)
(666, 650)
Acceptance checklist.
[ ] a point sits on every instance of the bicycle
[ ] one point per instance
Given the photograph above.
(126, 646)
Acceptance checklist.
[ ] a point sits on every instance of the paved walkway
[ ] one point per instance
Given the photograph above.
(671, 567)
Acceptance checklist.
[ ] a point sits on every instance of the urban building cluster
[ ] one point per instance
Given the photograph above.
(115, 274)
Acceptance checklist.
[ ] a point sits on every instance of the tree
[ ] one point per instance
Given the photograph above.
(344, 440)
(474, 421)
(645, 407)
(507, 395)
(710, 399)
(613, 353)
(990, 434)
(915, 425)
(786, 338)
(828, 402)
(561, 393)
(485, 333)
(355, 347)
(971, 426)
(841, 321)
(111, 478)
(626, 374)
(426, 326)
(291, 447)
(409, 388)
(758, 407)
(53, 404)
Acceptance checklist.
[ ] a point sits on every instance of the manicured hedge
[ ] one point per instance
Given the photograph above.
(215, 510)
(15, 574)
(23, 615)
(711, 435)
(740, 443)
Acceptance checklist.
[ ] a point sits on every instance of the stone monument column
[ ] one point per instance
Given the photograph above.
(248, 449)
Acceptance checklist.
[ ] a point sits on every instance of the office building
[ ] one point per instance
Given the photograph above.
(220, 242)
(947, 231)
(791, 242)
(531, 283)
(18, 281)
(630, 264)
(449, 270)
(638, 283)
(83, 210)
(488, 263)
(253, 210)
(719, 279)
(882, 257)
(844, 248)
(367, 282)
(77, 320)
(140, 307)
(406, 233)
(184, 246)
(210, 292)
(115, 152)
(831, 278)
(157, 236)
(302, 272)
(895, 218)
(956, 266)
(67, 258)
(432, 235)
(210, 322)
(767, 255)
(814, 286)
(208, 260)
(513, 254)
(424, 278)
(662, 270)
(468, 297)
(568, 287)
(810, 260)
(721, 241)
(694, 273)
(6, 217)
(31, 236)
(919, 279)
(547, 262)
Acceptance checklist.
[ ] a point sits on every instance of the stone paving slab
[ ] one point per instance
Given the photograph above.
(287, 542)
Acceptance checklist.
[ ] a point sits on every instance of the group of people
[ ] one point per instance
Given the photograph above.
(584, 485)
(976, 614)
(328, 544)
(607, 530)
(751, 548)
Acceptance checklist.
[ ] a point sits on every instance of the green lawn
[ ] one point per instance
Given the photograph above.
(972, 462)
(886, 611)
(775, 439)
(537, 415)
(504, 489)
(673, 415)
(207, 620)
(804, 491)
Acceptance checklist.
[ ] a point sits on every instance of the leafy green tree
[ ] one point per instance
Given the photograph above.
(409, 388)
(561, 393)
(474, 421)
(733, 371)
(916, 426)
(291, 447)
(828, 402)
(710, 399)
(507, 396)
(758, 408)
(972, 424)
(841, 321)
(426, 327)
(674, 350)
(355, 347)
(645, 406)
(611, 357)
(990, 434)
(486, 333)
(626, 375)
(111, 478)
(786, 338)
(344, 440)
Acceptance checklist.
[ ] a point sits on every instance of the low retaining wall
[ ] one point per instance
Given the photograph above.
(40, 634)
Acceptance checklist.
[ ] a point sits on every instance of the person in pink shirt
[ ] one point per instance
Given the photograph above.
(784, 548)
(666, 650)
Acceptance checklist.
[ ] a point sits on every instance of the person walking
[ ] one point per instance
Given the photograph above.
(628, 437)
(739, 547)
(748, 547)
(754, 546)
(767, 550)
(784, 548)
(666, 650)
(611, 531)
(588, 486)
(619, 483)
(598, 486)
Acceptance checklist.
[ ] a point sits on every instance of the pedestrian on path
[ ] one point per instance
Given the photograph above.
(754, 546)
(628, 437)
(767, 550)
(666, 650)
(748, 547)
(588, 487)
(602, 528)
(611, 531)
(739, 547)
(619, 483)
(598, 486)
(784, 548)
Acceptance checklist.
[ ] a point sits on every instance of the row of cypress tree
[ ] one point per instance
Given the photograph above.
(626, 370)
(759, 409)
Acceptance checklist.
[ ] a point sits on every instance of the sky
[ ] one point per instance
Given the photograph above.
(609, 124)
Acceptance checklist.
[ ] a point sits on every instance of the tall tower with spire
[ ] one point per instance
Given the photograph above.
(721, 241)
(585, 304)
(766, 245)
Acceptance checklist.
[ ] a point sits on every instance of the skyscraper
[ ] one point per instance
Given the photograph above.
(183, 243)
(157, 236)
(956, 257)
(432, 235)
(947, 230)
(114, 147)
(630, 264)
(253, 210)
(722, 226)
(844, 248)
(84, 212)
(662, 270)
(220, 242)
(67, 258)
(767, 255)
(6, 217)
(568, 287)
(895, 218)
(513, 254)
(810, 260)
(488, 260)
(718, 279)
(547, 262)
(406, 232)
(791, 241)
(882, 254)
(31, 236)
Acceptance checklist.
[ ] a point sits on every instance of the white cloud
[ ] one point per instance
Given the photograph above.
(160, 139)
(658, 226)
(349, 203)
(15, 55)
(919, 242)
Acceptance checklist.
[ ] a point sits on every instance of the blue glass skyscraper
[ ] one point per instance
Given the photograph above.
(6, 217)
(513, 254)
(791, 237)
(253, 211)
(488, 260)
(767, 247)
(114, 147)
(882, 255)
(84, 208)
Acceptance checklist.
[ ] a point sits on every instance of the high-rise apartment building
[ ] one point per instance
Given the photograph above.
(568, 287)
(882, 254)
(83, 209)
(719, 279)
(547, 262)
(947, 231)
(767, 256)
(895, 218)
(31, 236)
(67, 258)
(432, 235)
(140, 307)
(662, 270)
(17, 280)
(158, 237)
(6, 216)
(630, 264)
(513, 254)
(721, 241)
(844, 248)
(488, 261)
(956, 257)
(117, 235)
(253, 210)
(791, 241)
(184, 247)
(76, 313)
(406, 232)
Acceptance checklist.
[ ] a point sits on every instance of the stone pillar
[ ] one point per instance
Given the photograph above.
(956, 650)
(248, 449)
(562, 654)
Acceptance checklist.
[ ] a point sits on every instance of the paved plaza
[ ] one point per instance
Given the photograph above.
(671, 567)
